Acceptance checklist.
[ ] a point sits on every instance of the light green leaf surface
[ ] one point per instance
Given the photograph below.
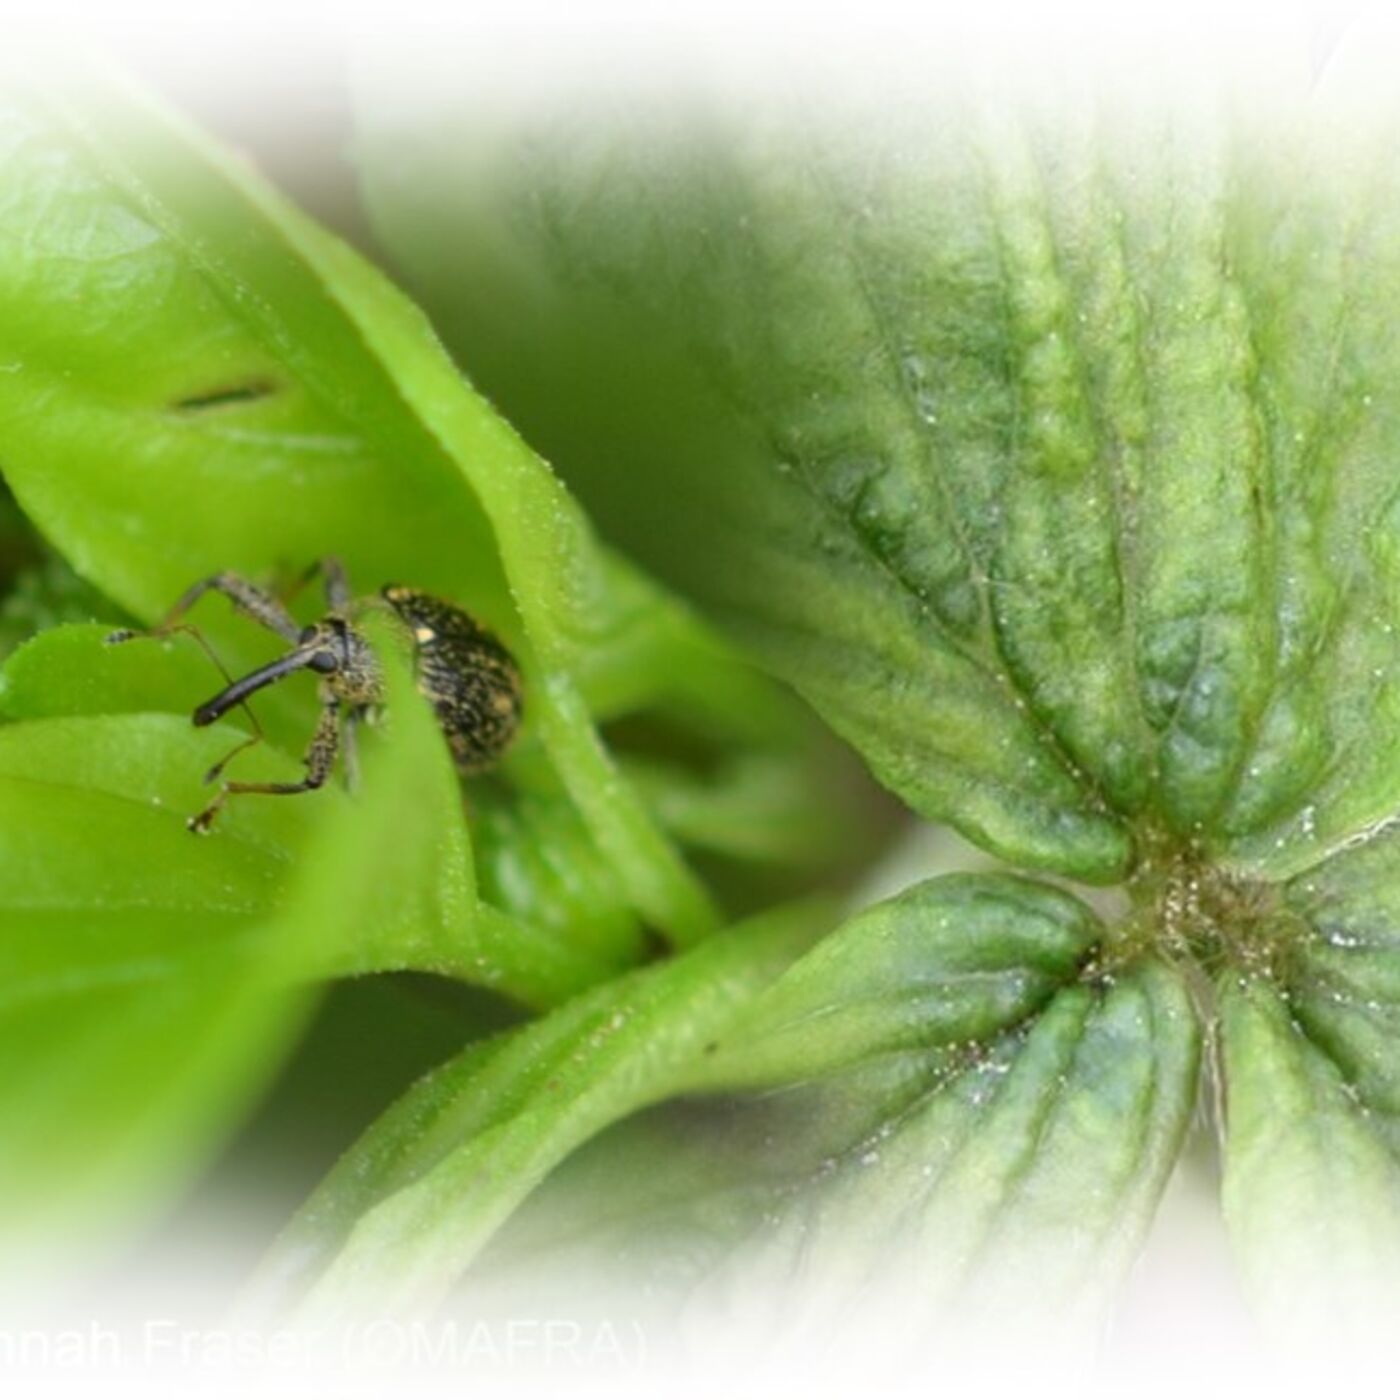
(152, 979)
(89, 726)
(69, 670)
(196, 378)
(203, 379)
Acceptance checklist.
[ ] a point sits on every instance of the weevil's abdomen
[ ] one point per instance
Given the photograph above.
(468, 675)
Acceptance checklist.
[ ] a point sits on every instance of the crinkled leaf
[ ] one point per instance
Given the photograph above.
(1312, 1065)
(906, 1199)
(1343, 979)
(947, 962)
(1045, 445)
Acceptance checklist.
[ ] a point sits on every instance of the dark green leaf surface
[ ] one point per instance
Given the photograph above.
(46, 594)
(911, 1202)
(1061, 489)
(948, 962)
(1035, 1167)
(1343, 981)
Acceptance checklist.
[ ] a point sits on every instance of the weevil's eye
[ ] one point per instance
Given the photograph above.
(307, 633)
(323, 661)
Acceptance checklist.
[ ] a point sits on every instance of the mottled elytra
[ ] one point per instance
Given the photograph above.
(470, 678)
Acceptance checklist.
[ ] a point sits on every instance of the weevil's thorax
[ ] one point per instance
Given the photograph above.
(466, 672)
(358, 679)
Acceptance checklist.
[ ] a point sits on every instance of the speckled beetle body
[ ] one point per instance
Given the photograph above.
(460, 667)
(470, 678)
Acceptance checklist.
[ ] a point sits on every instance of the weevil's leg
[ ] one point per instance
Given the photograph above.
(350, 748)
(214, 774)
(297, 584)
(337, 583)
(247, 597)
(319, 760)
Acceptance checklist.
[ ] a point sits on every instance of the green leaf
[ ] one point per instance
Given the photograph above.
(418, 907)
(409, 1206)
(293, 403)
(914, 1201)
(537, 863)
(911, 1099)
(198, 378)
(986, 1131)
(125, 936)
(68, 670)
(1044, 445)
(1029, 1170)
(1343, 981)
(947, 962)
(148, 977)
(1312, 1193)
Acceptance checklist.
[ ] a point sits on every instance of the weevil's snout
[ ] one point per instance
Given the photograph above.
(240, 690)
(212, 710)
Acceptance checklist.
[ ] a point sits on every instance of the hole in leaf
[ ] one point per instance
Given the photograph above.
(249, 391)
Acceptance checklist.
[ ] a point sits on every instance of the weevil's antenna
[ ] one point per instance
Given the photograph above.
(240, 690)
